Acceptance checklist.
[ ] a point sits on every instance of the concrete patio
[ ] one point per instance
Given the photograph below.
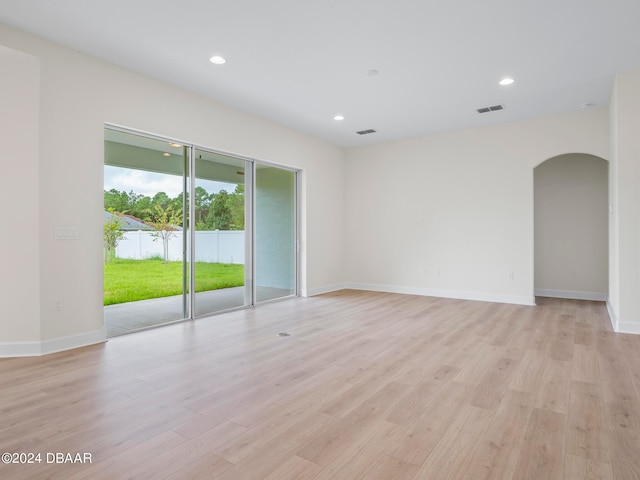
(128, 317)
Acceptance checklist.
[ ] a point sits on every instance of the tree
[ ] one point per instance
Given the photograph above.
(140, 207)
(161, 199)
(165, 221)
(216, 211)
(203, 202)
(112, 235)
(236, 205)
(116, 201)
(131, 203)
(220, 217)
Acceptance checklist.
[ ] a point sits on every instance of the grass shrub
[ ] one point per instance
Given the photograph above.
(128, 280)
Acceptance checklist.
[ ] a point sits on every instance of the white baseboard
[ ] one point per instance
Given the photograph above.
(45, 347)
(326, 289)
(612, 316)
(20, 349)
(621, 327)
(571, 295)
(459, 295)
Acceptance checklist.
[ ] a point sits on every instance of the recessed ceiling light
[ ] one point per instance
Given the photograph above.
(166, 154)
(585, 106)
(218, 60)
(506, 81)
(338, 117)
(372, 72)
(175, 145)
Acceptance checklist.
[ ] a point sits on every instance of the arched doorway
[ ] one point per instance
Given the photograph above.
(571, 227)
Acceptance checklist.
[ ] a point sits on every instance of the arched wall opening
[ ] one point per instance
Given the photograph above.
(571, 233)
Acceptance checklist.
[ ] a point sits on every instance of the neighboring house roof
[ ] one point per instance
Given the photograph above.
(127, 222)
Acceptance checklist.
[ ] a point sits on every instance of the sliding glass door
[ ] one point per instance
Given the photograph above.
(190, 232)
(220, 238)
(145, 264)
(275, 238)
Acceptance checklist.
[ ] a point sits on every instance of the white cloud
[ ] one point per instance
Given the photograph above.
(149, 183)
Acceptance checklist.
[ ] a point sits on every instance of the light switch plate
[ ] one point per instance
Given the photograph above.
(66, 233)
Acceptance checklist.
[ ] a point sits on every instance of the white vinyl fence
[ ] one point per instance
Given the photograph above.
(219, 246)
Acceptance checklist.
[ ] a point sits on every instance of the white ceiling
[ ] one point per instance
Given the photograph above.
(300, 62)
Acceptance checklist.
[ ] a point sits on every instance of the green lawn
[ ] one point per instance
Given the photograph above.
(132, 280)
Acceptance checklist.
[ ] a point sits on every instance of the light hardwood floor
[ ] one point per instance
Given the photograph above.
(367, 386)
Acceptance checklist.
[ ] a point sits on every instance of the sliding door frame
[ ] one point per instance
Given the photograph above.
(192, 234)
(296, 230)
(189, 180)
(249, 232)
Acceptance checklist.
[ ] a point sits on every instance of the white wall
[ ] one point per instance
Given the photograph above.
(624, 302)
(571, 227)
(464, 204)
(78, 94)
(19, 281)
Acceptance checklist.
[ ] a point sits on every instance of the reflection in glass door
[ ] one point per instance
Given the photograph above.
(220, 238)
(144, 232)
(275, 233)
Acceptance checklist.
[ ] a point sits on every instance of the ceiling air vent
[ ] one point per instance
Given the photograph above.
(366, 132)
(490, 109)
